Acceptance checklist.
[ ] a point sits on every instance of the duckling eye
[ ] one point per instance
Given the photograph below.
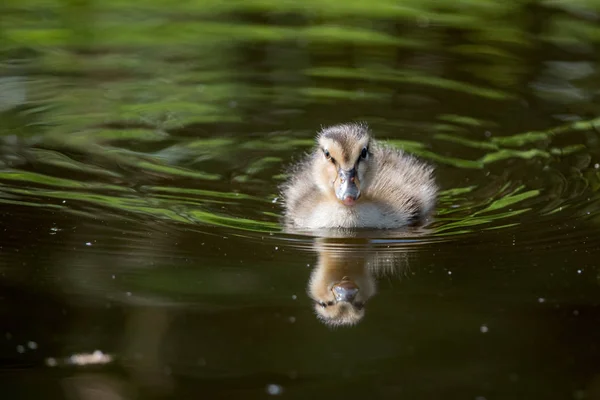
(328, 156)
(364, 153)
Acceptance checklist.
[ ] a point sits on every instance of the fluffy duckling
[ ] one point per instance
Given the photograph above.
(351, 181)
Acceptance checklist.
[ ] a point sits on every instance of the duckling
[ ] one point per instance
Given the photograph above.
(350, 180)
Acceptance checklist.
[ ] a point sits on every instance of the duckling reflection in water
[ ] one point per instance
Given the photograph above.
(351, 181)
(344, 280)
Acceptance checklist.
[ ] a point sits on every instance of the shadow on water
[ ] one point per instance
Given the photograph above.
(141, 150)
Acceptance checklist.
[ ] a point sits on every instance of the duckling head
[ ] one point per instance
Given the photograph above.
(341, 167)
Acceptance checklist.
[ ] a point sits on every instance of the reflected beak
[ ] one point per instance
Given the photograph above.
(345, 291)
(348, 192)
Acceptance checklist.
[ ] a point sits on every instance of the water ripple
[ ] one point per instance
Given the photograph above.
(169, 185)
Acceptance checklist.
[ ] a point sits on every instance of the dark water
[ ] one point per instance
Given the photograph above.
(141, 147)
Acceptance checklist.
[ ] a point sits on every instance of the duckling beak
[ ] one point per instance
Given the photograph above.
(345, 290)
(348, 192)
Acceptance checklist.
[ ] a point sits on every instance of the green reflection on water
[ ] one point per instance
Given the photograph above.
(186, 205)
(139, 74)
(407, 76)
(508, 200)
(465, 120)
(39, 179)
(505, 154)
(467, 142)
(176, 171)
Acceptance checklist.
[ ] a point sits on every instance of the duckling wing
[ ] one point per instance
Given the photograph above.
(403, 183)
(300, 191)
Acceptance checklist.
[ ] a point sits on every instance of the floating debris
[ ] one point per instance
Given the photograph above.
(274, 390)
(97, 357)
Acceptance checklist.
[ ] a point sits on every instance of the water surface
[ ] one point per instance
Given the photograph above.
(141, 149)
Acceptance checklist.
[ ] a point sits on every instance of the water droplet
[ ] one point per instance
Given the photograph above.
(20, 349)
(294, 297)
(276, 248)
(541, 300)
(579, 271)
(274, 390)
(484, 328)
(88, 243)
(128, 294)
(449, 272)
(292, 319)
(32, 345)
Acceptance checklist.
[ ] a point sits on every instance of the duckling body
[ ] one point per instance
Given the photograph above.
(351, 181)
